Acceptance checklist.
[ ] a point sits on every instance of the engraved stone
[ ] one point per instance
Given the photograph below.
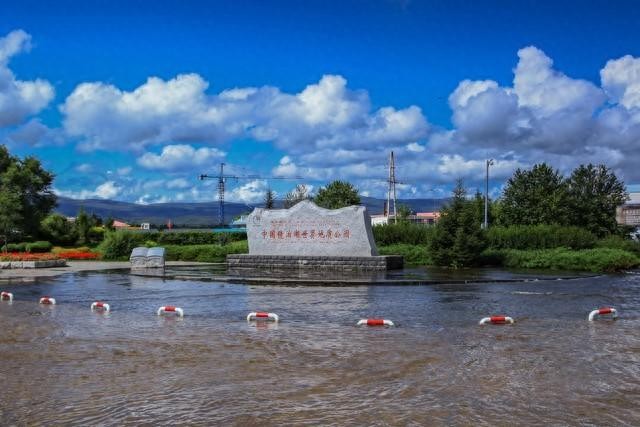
(309, 230)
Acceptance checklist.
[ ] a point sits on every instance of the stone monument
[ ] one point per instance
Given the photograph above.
(143, 258)
(309, 236)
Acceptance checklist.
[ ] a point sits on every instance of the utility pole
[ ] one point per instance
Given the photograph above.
(486, 196)
(221, 195)
(392, 189)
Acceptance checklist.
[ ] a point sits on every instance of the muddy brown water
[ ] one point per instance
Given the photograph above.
(66, 365)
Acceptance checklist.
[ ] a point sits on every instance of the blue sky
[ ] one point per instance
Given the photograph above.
(132, 100)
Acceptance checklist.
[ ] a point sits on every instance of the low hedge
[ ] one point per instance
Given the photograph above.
(30, 247)
(526, 237)
(595, 260)
(413, 254)
(405, 233)
(119, 244)
(205, 253)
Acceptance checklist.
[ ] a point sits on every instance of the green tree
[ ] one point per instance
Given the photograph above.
(594, 194)
(295, 196)
(83, 225)
(10, 215)
(108, 224)
(56, 229)
(536, 196)
(269, 199)
(404, 211)
(336, 195)
(458, 238)
(32, 184)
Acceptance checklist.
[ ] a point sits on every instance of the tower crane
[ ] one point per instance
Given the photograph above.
(222, 179)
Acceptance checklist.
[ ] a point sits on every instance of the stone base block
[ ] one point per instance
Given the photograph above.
(277, 262)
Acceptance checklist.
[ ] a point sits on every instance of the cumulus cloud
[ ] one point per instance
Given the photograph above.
(106, 190)
(251, 192)
(324, 114)
(180, 157)
(19, 99)
(178, 183)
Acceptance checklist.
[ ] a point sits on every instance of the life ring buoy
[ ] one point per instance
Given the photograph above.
(6, 296)
(604, 310)
(47, 301)
(170, 309)
(375, 322)
(262, 315)
(99, 305)
(497, 320)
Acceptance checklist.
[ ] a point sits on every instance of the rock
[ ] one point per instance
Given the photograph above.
(138, 257)
(309, 230)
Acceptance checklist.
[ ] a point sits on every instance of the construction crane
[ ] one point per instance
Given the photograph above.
(222, 179)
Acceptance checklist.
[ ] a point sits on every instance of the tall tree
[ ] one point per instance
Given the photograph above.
(32, 184)
(536, 196)
(295, 196)
(10, 215)
(83, 225)
(336, 195)
(269, 199)
(594, 194)
(458, 237)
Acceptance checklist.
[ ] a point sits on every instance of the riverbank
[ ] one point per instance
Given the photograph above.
(79, 266)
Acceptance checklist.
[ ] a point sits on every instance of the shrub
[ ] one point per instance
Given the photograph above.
(16, 247)
(595, 260)
(617, 242)
(413, 234)
(38, 247)
(413, 254)
(526, 237)
(119, 244)
(95, 235)
(194, 237)
(205, 253)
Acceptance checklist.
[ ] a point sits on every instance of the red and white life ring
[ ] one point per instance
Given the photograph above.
(262, 315)
(99, 305)
(6, 296)
(497, 320)
(604, 310)
(170, 309)
(375, 322)
(47, 300)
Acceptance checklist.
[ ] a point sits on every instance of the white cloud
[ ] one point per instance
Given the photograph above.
(178, 183)
(415, 147)
(124, 171)
(106, 190)
(181, 157)
(251, 192)
(19, 99)
(84, 168)
(324, 114)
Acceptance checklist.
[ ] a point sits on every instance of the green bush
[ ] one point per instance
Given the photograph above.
(413, 254)
(413, 234)
(194, 237)
(119, 244)
(205, 253)
(38, 247)
(95, 235)
(617, 242)
(16, 247)
(526, 237)
(595, 260)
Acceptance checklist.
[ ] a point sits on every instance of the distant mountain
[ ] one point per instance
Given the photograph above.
(200, 214)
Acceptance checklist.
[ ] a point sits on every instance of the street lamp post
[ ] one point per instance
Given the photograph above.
(486, 196)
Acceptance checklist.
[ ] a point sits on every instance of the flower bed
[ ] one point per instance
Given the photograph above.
(78, 255)
(26, 256)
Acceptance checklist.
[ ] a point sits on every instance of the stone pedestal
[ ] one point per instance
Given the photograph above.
(336, 263)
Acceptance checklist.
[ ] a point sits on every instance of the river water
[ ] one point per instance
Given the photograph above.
(65, 365)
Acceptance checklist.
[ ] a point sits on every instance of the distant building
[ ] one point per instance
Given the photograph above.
(629, 213)
(240, 222)
(120, 225)
(424, 218)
